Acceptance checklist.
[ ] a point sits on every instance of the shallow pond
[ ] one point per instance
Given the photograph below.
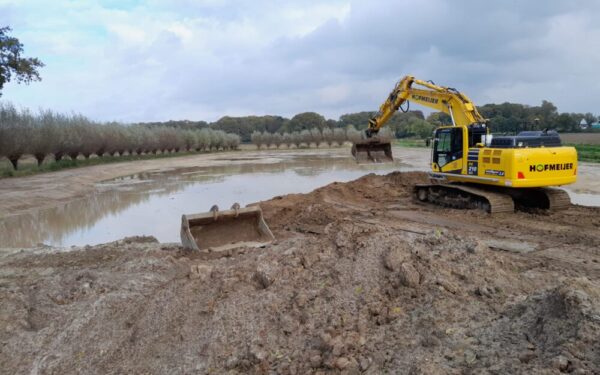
(152, 203)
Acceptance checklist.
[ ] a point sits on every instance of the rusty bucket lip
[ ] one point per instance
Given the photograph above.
(189, 241)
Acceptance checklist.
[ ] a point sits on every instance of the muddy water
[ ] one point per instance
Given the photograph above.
(152, 203)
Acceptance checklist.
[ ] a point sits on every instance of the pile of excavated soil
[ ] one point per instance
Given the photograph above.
(361, 280)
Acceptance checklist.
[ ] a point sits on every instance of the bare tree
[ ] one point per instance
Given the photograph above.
(152, 143)
(48, 132)
(306, 137)
(178, 140)
(116, 139)
(168, 139)
(297, 139)
(189, 139)
(73, 137)
(288, 139)
(256, 138)
(44, 136)
(59, 146)
(339, 135)
(267, 138)
(15, 132)
(328, 136)
(232, 141)
(218, 139)
(138, 139)
(86, 135)
(316, 136)
(277, 139)
(131, 139)
(103, 135)
(202, 140)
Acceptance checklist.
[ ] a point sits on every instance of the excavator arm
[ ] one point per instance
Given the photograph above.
(445, 99)
(448, 100)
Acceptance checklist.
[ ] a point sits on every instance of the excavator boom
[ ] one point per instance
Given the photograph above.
(440, 98)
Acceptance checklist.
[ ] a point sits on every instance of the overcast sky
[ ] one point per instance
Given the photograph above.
(151, 60)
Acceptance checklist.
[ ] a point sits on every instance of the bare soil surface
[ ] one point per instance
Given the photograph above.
(361, 280)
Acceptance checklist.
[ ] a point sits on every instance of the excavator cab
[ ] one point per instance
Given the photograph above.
(448, 149)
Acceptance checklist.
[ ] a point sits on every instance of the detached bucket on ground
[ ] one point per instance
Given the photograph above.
(222, 230)
(372, 151)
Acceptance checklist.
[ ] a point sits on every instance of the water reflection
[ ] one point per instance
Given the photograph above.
(54, 226)
(584, 199)
(152, 203)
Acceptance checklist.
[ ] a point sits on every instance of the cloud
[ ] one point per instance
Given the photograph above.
(153, 60)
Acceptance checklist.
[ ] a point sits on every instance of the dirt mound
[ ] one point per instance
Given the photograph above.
(327, 204)
(558, 326)
(361, 280)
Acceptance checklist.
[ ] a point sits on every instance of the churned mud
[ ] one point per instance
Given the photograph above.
(362, 279)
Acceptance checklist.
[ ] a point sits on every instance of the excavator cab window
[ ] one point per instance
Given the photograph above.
(447, 146)
(477, 133)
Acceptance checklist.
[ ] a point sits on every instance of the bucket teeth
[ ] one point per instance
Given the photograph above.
(236, 227)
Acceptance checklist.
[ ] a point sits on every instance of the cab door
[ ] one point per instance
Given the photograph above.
(448, 150)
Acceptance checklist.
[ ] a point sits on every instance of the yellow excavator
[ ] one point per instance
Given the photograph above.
(470, 168)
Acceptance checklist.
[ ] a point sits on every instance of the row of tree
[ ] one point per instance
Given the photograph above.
(314, 136)
(401, 124)
(504, 118)
(49, 133)
(245, 126)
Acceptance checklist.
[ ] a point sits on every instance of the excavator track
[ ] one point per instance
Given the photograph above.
(558, 199)
(464, 197)
(493, 200)
(541, 198)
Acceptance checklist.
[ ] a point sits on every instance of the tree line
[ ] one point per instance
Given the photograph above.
(314, 136)
(513, 117)
(47, 133)
(505, 118)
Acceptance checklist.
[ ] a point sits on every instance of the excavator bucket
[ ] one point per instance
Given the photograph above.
(372, 150)
(222, 230)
